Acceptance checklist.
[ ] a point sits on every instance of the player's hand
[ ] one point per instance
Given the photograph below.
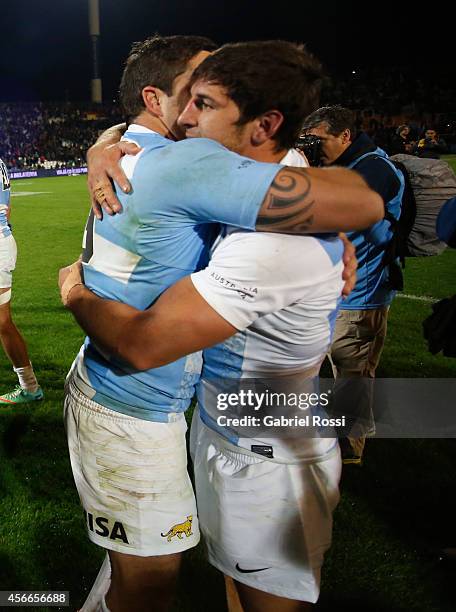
(69, 277)
(103, 168)
(350, 266)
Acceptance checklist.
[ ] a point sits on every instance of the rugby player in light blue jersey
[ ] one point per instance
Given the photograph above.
(134, 256)
(13, 343)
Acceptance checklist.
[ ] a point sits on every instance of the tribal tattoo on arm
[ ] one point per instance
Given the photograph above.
(288, 204)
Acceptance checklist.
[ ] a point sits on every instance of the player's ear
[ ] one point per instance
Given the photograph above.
(266, 126)
(151, 97)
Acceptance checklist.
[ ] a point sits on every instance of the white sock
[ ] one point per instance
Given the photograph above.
(104, 607)
(27, 378)
(95, 599)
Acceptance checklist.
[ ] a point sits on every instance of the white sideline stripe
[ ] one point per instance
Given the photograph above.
(418, 298)
(24, 194)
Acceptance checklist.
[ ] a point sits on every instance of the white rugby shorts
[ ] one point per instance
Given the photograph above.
(131, 476)
(8, 255)
(266, 524)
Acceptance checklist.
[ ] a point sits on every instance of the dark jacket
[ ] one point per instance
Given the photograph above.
(430, 150)
(398, 145)
(380, 176)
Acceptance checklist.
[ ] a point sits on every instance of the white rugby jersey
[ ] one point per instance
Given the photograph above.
(5, 194)
(282, 292)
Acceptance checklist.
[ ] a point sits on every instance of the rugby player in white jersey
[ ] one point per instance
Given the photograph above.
(12, 341)
(200, 320)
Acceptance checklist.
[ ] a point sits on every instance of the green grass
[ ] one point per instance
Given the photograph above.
(451, 159)
(41, 531)
(394, 513)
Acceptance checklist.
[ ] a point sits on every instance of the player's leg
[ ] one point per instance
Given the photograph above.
(266, 524)
(10, 337)
(254, 600)
(232, 596)
(138, 579)
(131, 476)
(142, 583)
(99, 588)
(242, 598)
(12, 341)
(16, 350)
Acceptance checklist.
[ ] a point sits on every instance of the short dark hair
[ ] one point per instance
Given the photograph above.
(157, 61)
(401, 128)
(337, 119)
(265, 75)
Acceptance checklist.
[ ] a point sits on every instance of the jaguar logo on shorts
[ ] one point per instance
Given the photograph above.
(180, 529)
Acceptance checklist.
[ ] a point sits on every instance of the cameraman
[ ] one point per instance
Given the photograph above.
(362, 320)
(431, 146)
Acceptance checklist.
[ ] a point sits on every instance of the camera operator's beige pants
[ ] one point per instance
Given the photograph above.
(358, 341)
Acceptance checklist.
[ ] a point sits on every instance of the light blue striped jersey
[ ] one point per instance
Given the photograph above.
(282, 293)
(5, 194)
(181, 192)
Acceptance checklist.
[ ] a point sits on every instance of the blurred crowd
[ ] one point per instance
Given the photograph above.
(409, 135)
(400, 114)
(392, 90)
(388, 102)
(46, 135)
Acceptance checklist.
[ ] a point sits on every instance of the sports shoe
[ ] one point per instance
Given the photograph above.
(352, 453)
(21, 396)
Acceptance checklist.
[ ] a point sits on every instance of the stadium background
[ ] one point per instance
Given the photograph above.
(396, 511)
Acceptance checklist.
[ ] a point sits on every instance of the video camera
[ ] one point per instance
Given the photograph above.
(310, 145)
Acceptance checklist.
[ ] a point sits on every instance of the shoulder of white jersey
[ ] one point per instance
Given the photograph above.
(295, 158)
(146, 139)
(143, 136)
(309, 258)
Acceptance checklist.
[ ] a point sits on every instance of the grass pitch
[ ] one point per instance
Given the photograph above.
(395, 511)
